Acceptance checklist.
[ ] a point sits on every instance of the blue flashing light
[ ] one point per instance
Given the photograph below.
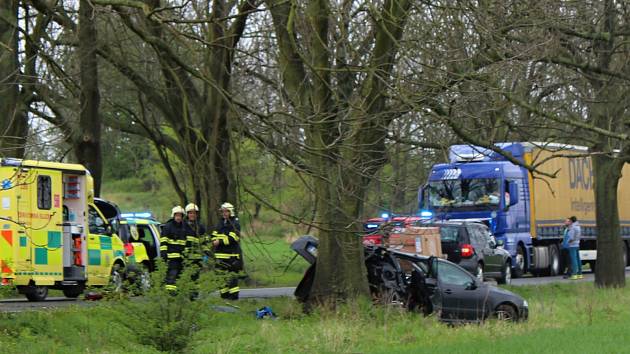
(141, 215)
(425, 214)
(385, 216)
(11, 162)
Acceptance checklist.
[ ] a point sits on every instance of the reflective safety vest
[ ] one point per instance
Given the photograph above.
(195, 242)
(227, 232)
(173, 240)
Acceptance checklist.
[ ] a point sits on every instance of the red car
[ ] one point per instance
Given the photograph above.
(373, 231)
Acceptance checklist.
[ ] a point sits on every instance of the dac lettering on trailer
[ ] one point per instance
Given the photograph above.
(580, 173)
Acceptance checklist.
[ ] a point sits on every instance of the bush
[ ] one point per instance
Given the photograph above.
(167, 320)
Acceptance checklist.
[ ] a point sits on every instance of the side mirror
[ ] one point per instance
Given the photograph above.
(492, 243)
(500, 243)
(431, 282)
(109, 230)
(513, 194)
(472, 285)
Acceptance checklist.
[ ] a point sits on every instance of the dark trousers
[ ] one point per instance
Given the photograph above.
(174, 268)
(230, 269)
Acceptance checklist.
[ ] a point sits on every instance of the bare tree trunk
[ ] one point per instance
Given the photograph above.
(340, 272)
(610, 272)
(13, 120)
(87, 145)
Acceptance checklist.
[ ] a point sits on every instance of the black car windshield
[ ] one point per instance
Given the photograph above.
(469, 194)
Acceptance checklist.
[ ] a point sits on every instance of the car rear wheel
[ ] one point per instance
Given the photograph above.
(505, 312)
(479, 271)
(506, 274)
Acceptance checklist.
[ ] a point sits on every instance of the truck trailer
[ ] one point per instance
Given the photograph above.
(524, 211)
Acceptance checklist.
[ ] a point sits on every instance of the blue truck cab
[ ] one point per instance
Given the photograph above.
(483, 185)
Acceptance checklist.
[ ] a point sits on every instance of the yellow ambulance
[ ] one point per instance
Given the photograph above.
(52, 235)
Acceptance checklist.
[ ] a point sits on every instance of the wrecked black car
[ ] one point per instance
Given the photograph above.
(429, 285)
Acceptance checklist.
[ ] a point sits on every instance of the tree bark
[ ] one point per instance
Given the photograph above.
(610, 272)
(344, 135)
(13, 118)
(87, 145)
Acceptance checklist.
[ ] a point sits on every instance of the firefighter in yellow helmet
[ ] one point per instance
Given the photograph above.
(227, 250)
(173, 246)
(195, 240)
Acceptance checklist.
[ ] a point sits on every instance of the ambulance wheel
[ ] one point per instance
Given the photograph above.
(73, 292)
(116, 278)
(144, 279)
(139, 281)
(36, 293)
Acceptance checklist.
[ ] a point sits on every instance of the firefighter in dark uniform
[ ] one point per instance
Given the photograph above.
(227, 250)
(173, 246)
(194, 242)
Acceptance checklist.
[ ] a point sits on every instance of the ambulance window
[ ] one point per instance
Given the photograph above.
(145, 235)
(44, 193)
(96, 223)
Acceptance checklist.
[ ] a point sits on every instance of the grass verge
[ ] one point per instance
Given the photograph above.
(563, 318)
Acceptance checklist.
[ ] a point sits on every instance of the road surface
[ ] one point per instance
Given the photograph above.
(21, 304)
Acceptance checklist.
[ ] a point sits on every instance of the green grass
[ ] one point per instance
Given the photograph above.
(565, 318)
(268, 262)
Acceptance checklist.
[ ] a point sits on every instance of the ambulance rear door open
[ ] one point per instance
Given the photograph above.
(75, 227)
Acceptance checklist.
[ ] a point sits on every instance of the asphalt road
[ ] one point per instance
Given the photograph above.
(21, 304)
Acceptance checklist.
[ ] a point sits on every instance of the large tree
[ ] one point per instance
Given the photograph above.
(563, 75)
(13, 118)
(343, 115)
(590, 51)
(169, 80)
(87, 146)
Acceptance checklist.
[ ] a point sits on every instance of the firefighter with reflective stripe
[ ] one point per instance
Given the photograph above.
(173, 245)
(227, 250)
(195, 241)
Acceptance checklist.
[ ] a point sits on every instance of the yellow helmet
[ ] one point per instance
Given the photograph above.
(177, 209)
(228, 206)
(191, 207)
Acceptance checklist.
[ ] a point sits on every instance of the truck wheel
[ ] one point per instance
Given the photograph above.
(36, 293)
(554, 260)
(73, 292)
(592, 265)
(506, 274)
(519, 268)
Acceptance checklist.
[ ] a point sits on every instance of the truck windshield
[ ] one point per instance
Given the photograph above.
(471, 194)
